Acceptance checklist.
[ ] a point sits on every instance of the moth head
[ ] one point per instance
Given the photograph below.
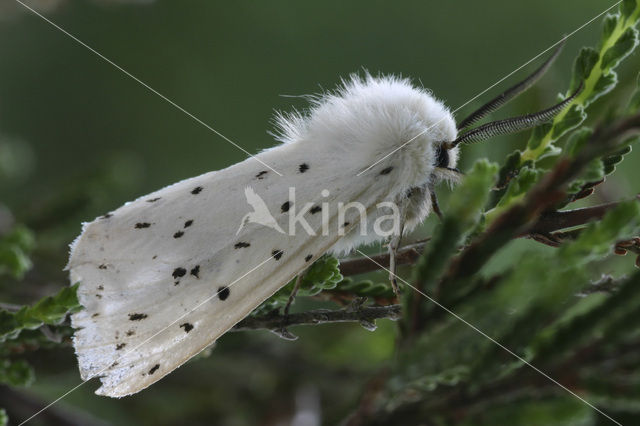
(445, 162)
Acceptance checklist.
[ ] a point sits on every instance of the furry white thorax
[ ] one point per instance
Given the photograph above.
(364, 121)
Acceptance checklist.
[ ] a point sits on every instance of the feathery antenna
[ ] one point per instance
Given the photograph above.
(497, 102)
(513, 125)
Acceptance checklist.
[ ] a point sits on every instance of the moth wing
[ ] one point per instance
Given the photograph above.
(162, 277)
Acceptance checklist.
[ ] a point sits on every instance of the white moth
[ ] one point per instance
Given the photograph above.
(162, 277)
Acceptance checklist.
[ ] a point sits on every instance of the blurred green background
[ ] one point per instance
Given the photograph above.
(79, 138)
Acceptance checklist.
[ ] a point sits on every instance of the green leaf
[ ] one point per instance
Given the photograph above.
(520, 185)
(17, 373)
(14, 249)
(323, 275)
(594, 67)
(50, 310)
(365, 288)
(609, 25)
(622, 47)
(577, 141)
(466, 202)
(583, 65)
(572, 119)
(461, 217)
(4, 419)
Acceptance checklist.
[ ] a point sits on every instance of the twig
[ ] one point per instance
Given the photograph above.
(541, 231)
(607, 284)
(10, 307)
(320, 316)
(557, 220)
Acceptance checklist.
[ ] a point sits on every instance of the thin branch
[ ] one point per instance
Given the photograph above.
(607, 284)
(363, 315)
(10, 307)
(557, 220)
(546, 224)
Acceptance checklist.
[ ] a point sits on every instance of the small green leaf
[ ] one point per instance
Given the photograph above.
(49, 310)
(520, 185)
(572, 119)
(583, 65)
(365, 288)
(609, 25)
(17, 373)
(622, 47)
(537, 135)
(594, 171)
(14, 249)
(467, 201)
(14, 261)
(323, 275)
(20, 236)
(577, 141)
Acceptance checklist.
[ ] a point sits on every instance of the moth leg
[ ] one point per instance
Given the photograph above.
(282, 331)
(292, 296)
(434, 203)
(394, 244)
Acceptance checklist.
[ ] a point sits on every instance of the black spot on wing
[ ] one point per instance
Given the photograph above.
(277, 254)
(154, 369)
(188, 223)
(196, 190)
(386, 171)
(261, 174)
(346, 224)
(137, 317)
(106, 216)
(241, 244)
(95, 315)
(103, 266)
(142, 225)
(285, 207)
(179, 272)
(223, 292)
(178, 234)
(130, 332)
(315, 209)
(303, 167)
(120, 346)
(187, 327)
(100, 287)
(153, 200)
(195, 271)
(308, 257)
